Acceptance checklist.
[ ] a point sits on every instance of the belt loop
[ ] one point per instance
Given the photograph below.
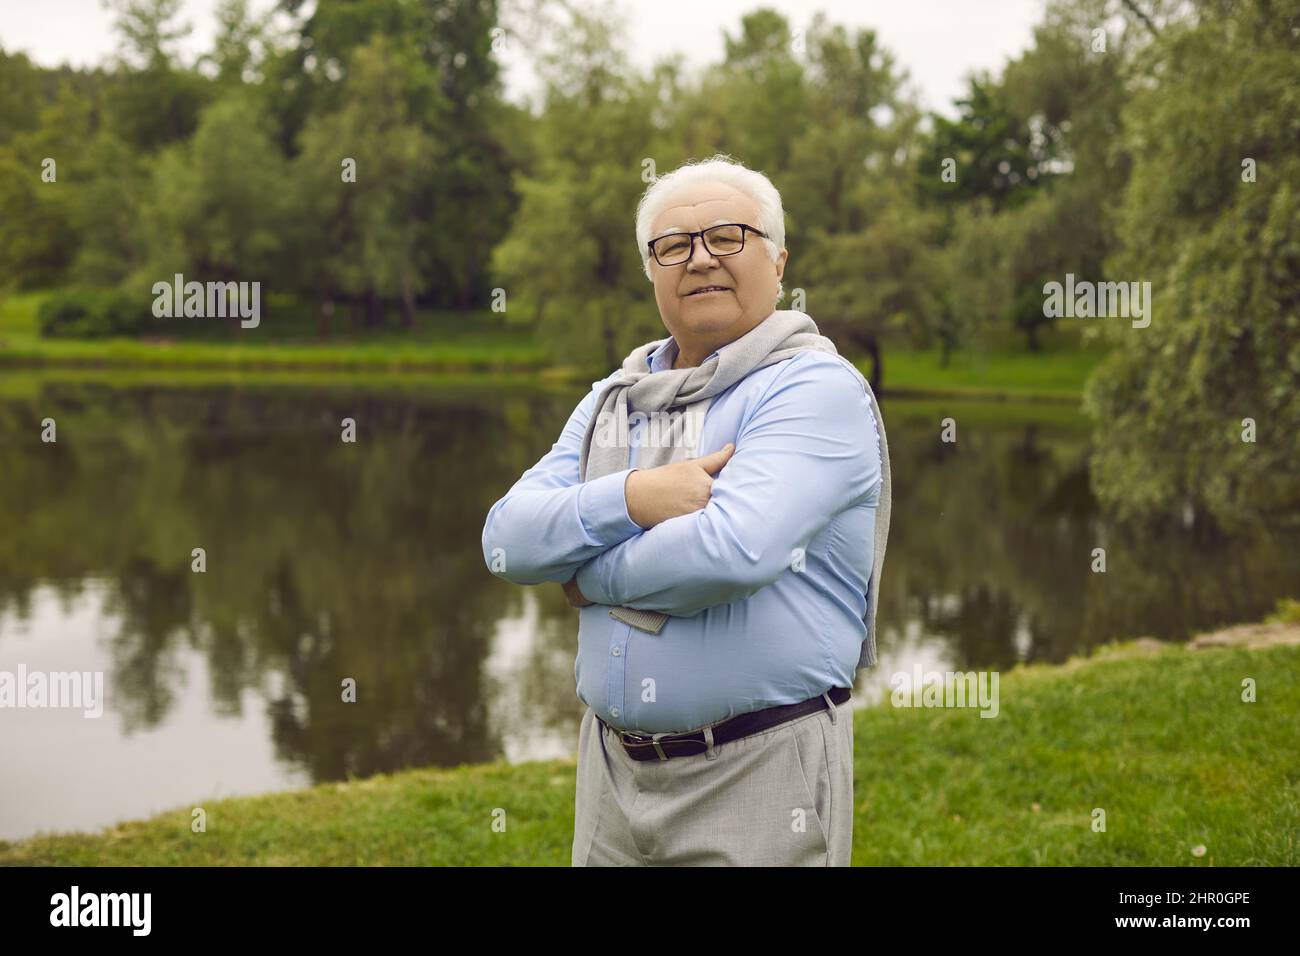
(659, 748)
(830, 704)
(710, 753)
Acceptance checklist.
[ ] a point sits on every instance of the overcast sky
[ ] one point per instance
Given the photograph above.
(937, 41)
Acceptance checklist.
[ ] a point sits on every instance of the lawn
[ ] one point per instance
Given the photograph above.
(440, 342)
(1006, 369)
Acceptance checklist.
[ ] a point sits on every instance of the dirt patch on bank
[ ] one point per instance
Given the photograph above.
(1255, 636)
(1252, 636)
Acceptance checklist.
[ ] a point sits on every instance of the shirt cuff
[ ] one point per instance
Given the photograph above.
(589, 583)
(602, 509)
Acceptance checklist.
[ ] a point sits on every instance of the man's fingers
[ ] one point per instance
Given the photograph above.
(712, 463)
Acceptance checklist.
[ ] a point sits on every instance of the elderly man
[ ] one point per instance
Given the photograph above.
(718, 509)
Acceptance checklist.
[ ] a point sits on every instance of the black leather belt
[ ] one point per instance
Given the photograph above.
(663, 746)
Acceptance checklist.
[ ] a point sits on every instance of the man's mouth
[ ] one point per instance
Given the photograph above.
(708, 289)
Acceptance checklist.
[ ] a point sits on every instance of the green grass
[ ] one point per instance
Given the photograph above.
(27, 383)
(352, 357)
(441, 342)
(980, 410)
(1162, 743)
(1057, 373)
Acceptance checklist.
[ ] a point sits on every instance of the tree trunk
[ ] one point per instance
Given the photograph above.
(374, 310)
(325, 328)
(357, 308)
(408, 302)
(877, 363)
(611, 356)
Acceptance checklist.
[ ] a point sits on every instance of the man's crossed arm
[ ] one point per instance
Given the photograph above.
(807, 451)
(548, 524)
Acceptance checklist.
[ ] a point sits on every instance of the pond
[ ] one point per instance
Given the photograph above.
(327, 561)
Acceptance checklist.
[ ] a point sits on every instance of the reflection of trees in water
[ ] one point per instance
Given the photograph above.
(1174, 583)
(995, 533)
(155, 608)
(325, 560)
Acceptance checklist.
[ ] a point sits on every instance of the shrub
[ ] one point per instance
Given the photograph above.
(93, 313)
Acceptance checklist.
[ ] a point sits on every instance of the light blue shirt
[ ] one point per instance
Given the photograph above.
(755, 622)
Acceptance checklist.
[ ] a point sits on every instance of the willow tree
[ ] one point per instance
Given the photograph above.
(1200, 410)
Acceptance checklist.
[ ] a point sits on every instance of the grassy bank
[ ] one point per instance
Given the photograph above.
(440, 342)
(1006, 371)
(1156, 736)
(480, 343)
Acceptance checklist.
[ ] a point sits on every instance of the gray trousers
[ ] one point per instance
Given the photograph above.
(781, 797)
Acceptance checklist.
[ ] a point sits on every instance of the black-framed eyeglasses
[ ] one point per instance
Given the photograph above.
(724, 239)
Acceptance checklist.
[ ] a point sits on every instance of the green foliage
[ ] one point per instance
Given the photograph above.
(218, 207)
(165, 167)
(448, 197)
(111, 196)
(993, 151)
(975, 277)
(369, 243)
(22, 84)
(77, 313)
(152, 100)
(1223, 257)
(240, 42)
(883, 277)
(36, 241)
(571, 259)
(1288, 612)
(1056, 232)
(148, 30)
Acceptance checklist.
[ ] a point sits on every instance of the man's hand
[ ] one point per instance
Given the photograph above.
(657, 494)
(574, 593)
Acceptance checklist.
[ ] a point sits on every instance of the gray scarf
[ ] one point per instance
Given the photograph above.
(665, 438)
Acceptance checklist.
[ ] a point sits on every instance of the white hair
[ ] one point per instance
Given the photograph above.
(717, 168)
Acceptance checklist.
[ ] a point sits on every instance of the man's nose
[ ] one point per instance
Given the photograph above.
(701, 258)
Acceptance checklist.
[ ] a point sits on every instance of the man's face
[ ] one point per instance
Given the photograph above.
(749, 278)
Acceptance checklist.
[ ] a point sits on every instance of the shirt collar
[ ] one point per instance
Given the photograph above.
(662, 358)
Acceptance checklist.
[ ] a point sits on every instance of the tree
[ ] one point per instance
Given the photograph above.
(858, 248)
(878, 280)
(240, 43)
(153, 100)
(1035, 151)
(572, 252)
(22, 87)
(1211, 218)
(218, 209)
(39, 171)
(976, 289)
(990, 151)
(461, 201)
(365, 244)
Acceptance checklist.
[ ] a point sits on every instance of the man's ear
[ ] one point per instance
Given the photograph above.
(780, 264)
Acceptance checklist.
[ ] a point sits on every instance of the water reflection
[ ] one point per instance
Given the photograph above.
(328, 561)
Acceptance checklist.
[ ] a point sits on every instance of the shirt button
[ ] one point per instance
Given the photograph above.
(613, 712)
(617, 651)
